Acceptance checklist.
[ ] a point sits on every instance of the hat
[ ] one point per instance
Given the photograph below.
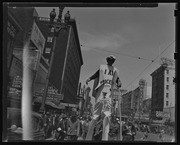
(111, 57)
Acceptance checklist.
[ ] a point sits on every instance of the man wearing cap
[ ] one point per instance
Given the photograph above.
(105, 78)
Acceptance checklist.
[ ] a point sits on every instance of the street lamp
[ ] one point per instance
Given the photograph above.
(58, 26)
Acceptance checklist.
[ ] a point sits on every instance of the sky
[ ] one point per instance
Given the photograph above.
(126, 33)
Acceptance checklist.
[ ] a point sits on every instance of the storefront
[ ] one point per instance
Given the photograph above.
(52, 100)
(15, 83)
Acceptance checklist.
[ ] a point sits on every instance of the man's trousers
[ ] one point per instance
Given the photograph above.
(102, 105)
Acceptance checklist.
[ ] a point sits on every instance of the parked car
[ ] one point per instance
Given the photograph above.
(14, 125)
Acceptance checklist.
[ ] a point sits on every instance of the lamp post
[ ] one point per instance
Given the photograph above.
(57, 27)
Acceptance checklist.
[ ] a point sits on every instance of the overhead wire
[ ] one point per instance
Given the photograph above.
(153, 60)
(150, 64)
(123, 54)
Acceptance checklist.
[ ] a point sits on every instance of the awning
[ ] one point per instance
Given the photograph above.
(39, 100)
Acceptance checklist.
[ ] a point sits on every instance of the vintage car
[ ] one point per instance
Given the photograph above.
(14, 125)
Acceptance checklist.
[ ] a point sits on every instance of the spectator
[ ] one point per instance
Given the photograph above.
(46, 124)
(85, 127)
(80, 131)
(72, 128)
(62, 128)
(161, 135)
(146, 131)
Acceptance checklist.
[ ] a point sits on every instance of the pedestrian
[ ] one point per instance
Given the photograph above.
(80, 131)
(146, 131)
(46, 124)
(104, 79)
(72, 130)
(161, 135)
(114, 128)
(62, 128)
(85, 127)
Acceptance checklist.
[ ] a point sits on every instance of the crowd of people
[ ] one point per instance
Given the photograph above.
(65, 127)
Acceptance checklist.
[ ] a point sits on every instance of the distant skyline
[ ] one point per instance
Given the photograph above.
(126, 33)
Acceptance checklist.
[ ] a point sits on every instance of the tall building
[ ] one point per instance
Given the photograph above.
(126, 103)
(20, 23)
(163, 93)
(67, 59)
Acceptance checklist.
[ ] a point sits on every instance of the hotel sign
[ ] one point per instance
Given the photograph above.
(37, 38)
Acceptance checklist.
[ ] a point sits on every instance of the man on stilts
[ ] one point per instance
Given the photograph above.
(105, 78)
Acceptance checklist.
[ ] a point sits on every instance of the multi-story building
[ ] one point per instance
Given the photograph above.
(147, 106)
(126, 103)
(67, 59)
(163, 93)
(20, 22)
(133, 100)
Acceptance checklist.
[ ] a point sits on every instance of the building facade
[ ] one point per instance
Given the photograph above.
(67, 59)
(132, 102)
(169, 92)
(163, 93)
(126, 104)
(19, 24)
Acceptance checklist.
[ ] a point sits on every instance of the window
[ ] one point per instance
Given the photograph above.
(167, 103)
(167, 79)
(167, 95)
(167, 87)
(167, 71)
(52, 29)
(47, 50)
(49, 39)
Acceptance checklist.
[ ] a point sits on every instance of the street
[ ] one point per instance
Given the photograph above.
(139, 135)
(153, 137)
